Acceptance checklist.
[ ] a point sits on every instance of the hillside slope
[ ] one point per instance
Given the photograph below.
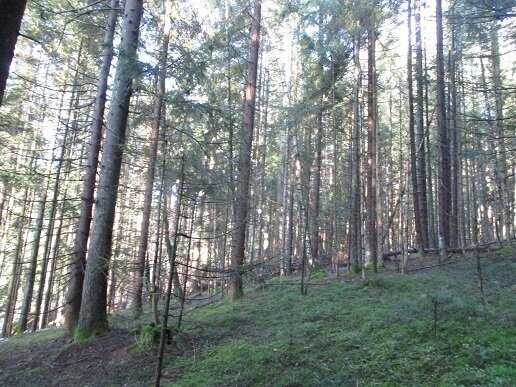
(428, 328)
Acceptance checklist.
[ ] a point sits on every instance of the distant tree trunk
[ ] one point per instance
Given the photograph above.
(93, 317)
(432, 213)
(454, 150)
(14, 284)
(78, 258)
(371, 144)
(355, 255)
(244, 163)
(502, 169)
(444, 188)
(412, 136)
(420, 133)
(52, 215)
(11, 14)
(33, 263)
(315, 200)
(151, 167)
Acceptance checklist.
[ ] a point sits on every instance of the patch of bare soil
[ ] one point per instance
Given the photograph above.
(105, 361)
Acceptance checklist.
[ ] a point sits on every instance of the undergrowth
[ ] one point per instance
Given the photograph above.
(393, 329)
(427, 329)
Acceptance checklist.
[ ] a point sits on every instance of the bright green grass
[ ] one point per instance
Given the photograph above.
(382, 332)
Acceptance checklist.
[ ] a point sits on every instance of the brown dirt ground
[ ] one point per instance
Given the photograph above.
(108, 360)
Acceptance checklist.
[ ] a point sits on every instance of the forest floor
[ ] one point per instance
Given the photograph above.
(425, 328)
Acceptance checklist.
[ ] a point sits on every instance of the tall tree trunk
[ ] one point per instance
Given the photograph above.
(356, 214)
(151, 167)
(78, 257)
(11, 14)
(412, 136)
(502, 169)
(444, 188)
(244, 162)
(420, 133)
(93, 317)
(371, 143)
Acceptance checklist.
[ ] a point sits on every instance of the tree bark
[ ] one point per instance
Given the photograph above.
(93, 316)
(11, 15)
(444, 188)
(420, 133)
(371, 144)
(356, 218)
(78, 258)
(244, 162)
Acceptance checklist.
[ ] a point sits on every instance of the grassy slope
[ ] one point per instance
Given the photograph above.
(378, 333)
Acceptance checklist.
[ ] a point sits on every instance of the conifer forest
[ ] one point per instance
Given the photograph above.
(258, 192)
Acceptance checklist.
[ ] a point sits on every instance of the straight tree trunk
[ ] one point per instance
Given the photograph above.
(244, 163)
(93, 316)
(444, 187)
(33, 263)
(412, 136)
(151, 167)
(315, 202)
(17, 271)
(11, 15)
(420, 133)
(356, 218)
(502, 168)
(78, 258)
(371, 144)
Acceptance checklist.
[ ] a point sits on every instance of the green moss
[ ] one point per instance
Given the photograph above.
(506, 250)
(82, 335)
(355, 268)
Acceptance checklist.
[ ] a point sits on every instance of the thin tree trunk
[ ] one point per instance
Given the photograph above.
(17, 271)
(371, 144)
(151, 167)
(420, 133)
(444, 188)
(244, 164)
(172, 253)
(315, 199)
(356, 218)
(412, 136)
